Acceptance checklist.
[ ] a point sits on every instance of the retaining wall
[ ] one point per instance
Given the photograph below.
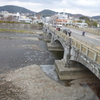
(15, 26)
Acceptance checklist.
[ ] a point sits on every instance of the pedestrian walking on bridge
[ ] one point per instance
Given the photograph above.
(83, 33)
(69, 33)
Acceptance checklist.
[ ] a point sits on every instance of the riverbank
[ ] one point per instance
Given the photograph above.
(31, 83)
(16, 31)
(19, 27)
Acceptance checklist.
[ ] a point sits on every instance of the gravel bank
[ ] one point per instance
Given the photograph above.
(31, 83)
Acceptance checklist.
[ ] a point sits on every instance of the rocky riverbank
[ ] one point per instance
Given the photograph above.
(31, 83)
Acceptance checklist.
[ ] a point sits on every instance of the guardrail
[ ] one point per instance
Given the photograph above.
(91, 30)
(59, 33)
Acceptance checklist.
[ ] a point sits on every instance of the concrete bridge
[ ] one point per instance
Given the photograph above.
(76, 52)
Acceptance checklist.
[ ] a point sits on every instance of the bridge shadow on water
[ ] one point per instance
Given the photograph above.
(89, 81)
(58, 54)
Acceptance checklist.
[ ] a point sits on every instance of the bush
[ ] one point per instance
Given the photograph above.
(8, 22)
(40, 24)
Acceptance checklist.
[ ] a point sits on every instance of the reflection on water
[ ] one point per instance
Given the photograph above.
(57, 54)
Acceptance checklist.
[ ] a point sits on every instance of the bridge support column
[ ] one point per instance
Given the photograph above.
(67, 54)
(47, 38)
(74, 72)
(52, 40)
(66, 51)
(54, 46)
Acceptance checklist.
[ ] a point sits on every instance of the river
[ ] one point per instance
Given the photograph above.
(19, 50)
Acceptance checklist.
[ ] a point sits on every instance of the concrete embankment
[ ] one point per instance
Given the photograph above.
(17, 26)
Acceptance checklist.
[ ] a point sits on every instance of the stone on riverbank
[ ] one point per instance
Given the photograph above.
(31, 80)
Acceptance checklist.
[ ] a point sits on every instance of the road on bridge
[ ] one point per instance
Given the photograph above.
(89, 37)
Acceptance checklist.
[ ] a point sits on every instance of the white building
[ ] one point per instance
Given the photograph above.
(62, 16)
(81, 24)
(25, 20)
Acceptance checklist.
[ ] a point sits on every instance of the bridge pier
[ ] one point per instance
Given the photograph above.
(54, 47)
(75, 71)
(47, 38)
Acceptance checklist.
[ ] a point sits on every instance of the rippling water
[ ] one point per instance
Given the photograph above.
(20, 50)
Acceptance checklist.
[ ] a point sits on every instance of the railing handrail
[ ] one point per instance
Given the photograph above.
(86, 45)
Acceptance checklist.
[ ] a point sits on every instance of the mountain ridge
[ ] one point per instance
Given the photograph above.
(15, 9)
(45, 12)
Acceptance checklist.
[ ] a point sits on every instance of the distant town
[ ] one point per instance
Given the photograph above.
(56, 19)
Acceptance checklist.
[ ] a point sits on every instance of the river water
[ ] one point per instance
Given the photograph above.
(20, 50)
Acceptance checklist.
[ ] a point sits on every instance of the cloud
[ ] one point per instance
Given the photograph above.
(33, 1)
(85, 7)
(28, 5)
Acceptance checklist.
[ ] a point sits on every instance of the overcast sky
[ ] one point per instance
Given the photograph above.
(85, 7)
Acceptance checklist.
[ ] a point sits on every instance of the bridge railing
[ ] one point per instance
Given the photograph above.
(59, 33)
(91, 30)
(86, 43)
(87, 50)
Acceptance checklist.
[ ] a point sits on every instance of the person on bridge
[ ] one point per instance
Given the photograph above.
(69, 33)
(66, 32)
(83, 33)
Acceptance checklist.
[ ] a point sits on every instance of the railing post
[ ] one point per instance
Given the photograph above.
(95, 57)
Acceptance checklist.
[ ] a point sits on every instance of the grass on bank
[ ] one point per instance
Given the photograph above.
(18, 31)
(11, 22)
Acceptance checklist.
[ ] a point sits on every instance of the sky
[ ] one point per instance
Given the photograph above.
(85, 7)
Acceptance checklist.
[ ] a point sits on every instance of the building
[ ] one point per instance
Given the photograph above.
(61, 19)
(25, 20)
(81, 24)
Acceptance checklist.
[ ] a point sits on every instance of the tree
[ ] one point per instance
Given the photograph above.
(95, 23)
(89, 21)
(85, 18)
(79, 21)
(9, 18)
(92, 23)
